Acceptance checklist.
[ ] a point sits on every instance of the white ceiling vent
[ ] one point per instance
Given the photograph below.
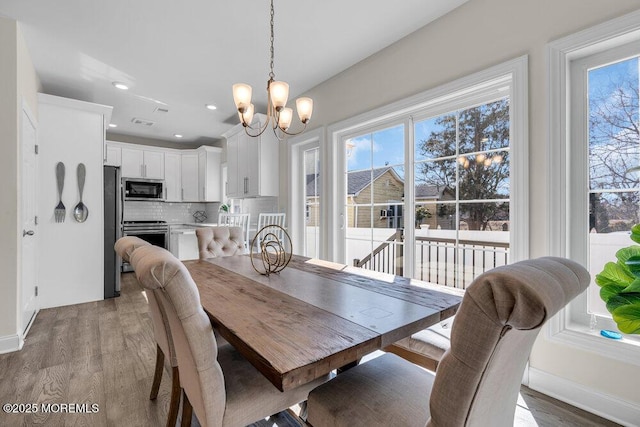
(161, 110)
(142, 122)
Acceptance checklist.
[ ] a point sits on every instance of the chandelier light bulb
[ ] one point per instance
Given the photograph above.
(462, 160)
(497, 158)
(487, 162)
(304, 106)
(480, 158)
(279, 92)
(284, 119)
(242, 96)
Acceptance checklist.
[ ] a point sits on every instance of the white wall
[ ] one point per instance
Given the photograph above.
(19, 82)
(479, 34)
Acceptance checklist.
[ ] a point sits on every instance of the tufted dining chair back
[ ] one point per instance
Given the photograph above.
(219, 385)
(125, 247)
(220, 241)
(478, 378)
(237, 220)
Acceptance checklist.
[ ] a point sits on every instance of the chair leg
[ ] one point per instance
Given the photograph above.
(186, 411)
(158, 375)
(174, 406)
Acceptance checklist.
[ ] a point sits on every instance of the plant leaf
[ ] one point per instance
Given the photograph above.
(614, 274)
(616, 301)
(628, 318)
(635, 233)
(633, 287)
(609, 291)
(624, 255)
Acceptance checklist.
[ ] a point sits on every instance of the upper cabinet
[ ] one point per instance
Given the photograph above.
(190, 186)
(113, 155)
(172, 176)
(190, 175)
(142, 163)
(252, 163)
(209, 173)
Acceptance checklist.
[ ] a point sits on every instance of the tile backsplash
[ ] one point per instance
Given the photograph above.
(183, 212)
(168, 211)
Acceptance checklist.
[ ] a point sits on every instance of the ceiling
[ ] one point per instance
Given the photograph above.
(179, 56)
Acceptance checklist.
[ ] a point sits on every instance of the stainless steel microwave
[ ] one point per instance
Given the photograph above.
(143, 189)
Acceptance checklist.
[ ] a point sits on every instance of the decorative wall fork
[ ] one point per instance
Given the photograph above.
(60, 212)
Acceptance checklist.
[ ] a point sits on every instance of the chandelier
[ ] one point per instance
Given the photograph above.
(279, 116)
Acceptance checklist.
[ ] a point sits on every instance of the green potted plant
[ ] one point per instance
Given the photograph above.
(620, 286)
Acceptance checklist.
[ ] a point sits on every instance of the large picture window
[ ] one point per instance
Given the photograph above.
(426, 189)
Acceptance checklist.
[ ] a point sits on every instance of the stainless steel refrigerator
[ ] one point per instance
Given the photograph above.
(112, 230)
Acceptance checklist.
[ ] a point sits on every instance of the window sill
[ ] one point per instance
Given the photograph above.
(574, 334)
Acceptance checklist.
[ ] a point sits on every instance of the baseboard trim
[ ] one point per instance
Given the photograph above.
(10, 343)
(588, 399)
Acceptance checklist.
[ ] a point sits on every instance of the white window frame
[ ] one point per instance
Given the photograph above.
(514, 73)
(563, 328)
(296, 208)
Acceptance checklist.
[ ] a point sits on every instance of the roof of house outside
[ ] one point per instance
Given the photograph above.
(356, 182)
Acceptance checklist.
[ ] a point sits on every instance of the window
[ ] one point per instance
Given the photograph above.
(305, 220)
(374, 196)
(311, 238)
(594, 141)
(462, 193)
(424, 184)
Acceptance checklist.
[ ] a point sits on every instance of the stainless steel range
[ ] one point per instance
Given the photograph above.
(154, 232)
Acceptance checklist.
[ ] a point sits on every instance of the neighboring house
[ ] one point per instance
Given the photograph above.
(388, 193)
(427, 198)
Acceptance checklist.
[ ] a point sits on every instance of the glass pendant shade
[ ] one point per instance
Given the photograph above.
(279, 92)
(284, 119)
(305, 108)
(247, 116)
(242, 95)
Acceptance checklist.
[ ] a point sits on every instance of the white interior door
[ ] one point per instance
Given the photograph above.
(30, 238)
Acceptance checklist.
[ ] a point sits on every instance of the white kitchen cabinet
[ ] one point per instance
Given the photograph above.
(139, 163)
(189, 173)
(113, 155)
(173, 176)
(252, 163)
(209, 173)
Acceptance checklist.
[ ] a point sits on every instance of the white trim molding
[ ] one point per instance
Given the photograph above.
(583, 397)
(560, 54)
(11, 343)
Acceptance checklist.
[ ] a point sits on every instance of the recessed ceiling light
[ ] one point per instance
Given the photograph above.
(120, 85)
(113, 125)
(177, 135)
(210, 106)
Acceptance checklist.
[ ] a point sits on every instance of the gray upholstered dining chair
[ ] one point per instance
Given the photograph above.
(220, 241)
(125, 247)
(219, 385)
(478, 378)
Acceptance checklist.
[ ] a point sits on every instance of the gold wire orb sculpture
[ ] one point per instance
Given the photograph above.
(273, 249)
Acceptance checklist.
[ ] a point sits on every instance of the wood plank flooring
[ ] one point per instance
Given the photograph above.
(103, 353)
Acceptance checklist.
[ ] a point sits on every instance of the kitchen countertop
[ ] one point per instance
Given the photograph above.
(189, 227)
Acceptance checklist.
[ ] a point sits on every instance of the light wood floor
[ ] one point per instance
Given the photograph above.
(103, 353)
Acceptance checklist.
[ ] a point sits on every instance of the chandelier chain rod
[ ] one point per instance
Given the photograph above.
(271, 74)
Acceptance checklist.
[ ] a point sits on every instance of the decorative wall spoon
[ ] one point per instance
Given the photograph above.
(81, 212)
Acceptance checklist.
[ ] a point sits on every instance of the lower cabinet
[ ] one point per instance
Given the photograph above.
(184, 245)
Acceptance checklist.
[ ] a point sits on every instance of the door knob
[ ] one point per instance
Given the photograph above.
(27, 233)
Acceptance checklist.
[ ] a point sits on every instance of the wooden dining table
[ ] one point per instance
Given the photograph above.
(314, 316)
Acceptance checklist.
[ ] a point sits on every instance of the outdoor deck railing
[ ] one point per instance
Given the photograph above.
(444, 261)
